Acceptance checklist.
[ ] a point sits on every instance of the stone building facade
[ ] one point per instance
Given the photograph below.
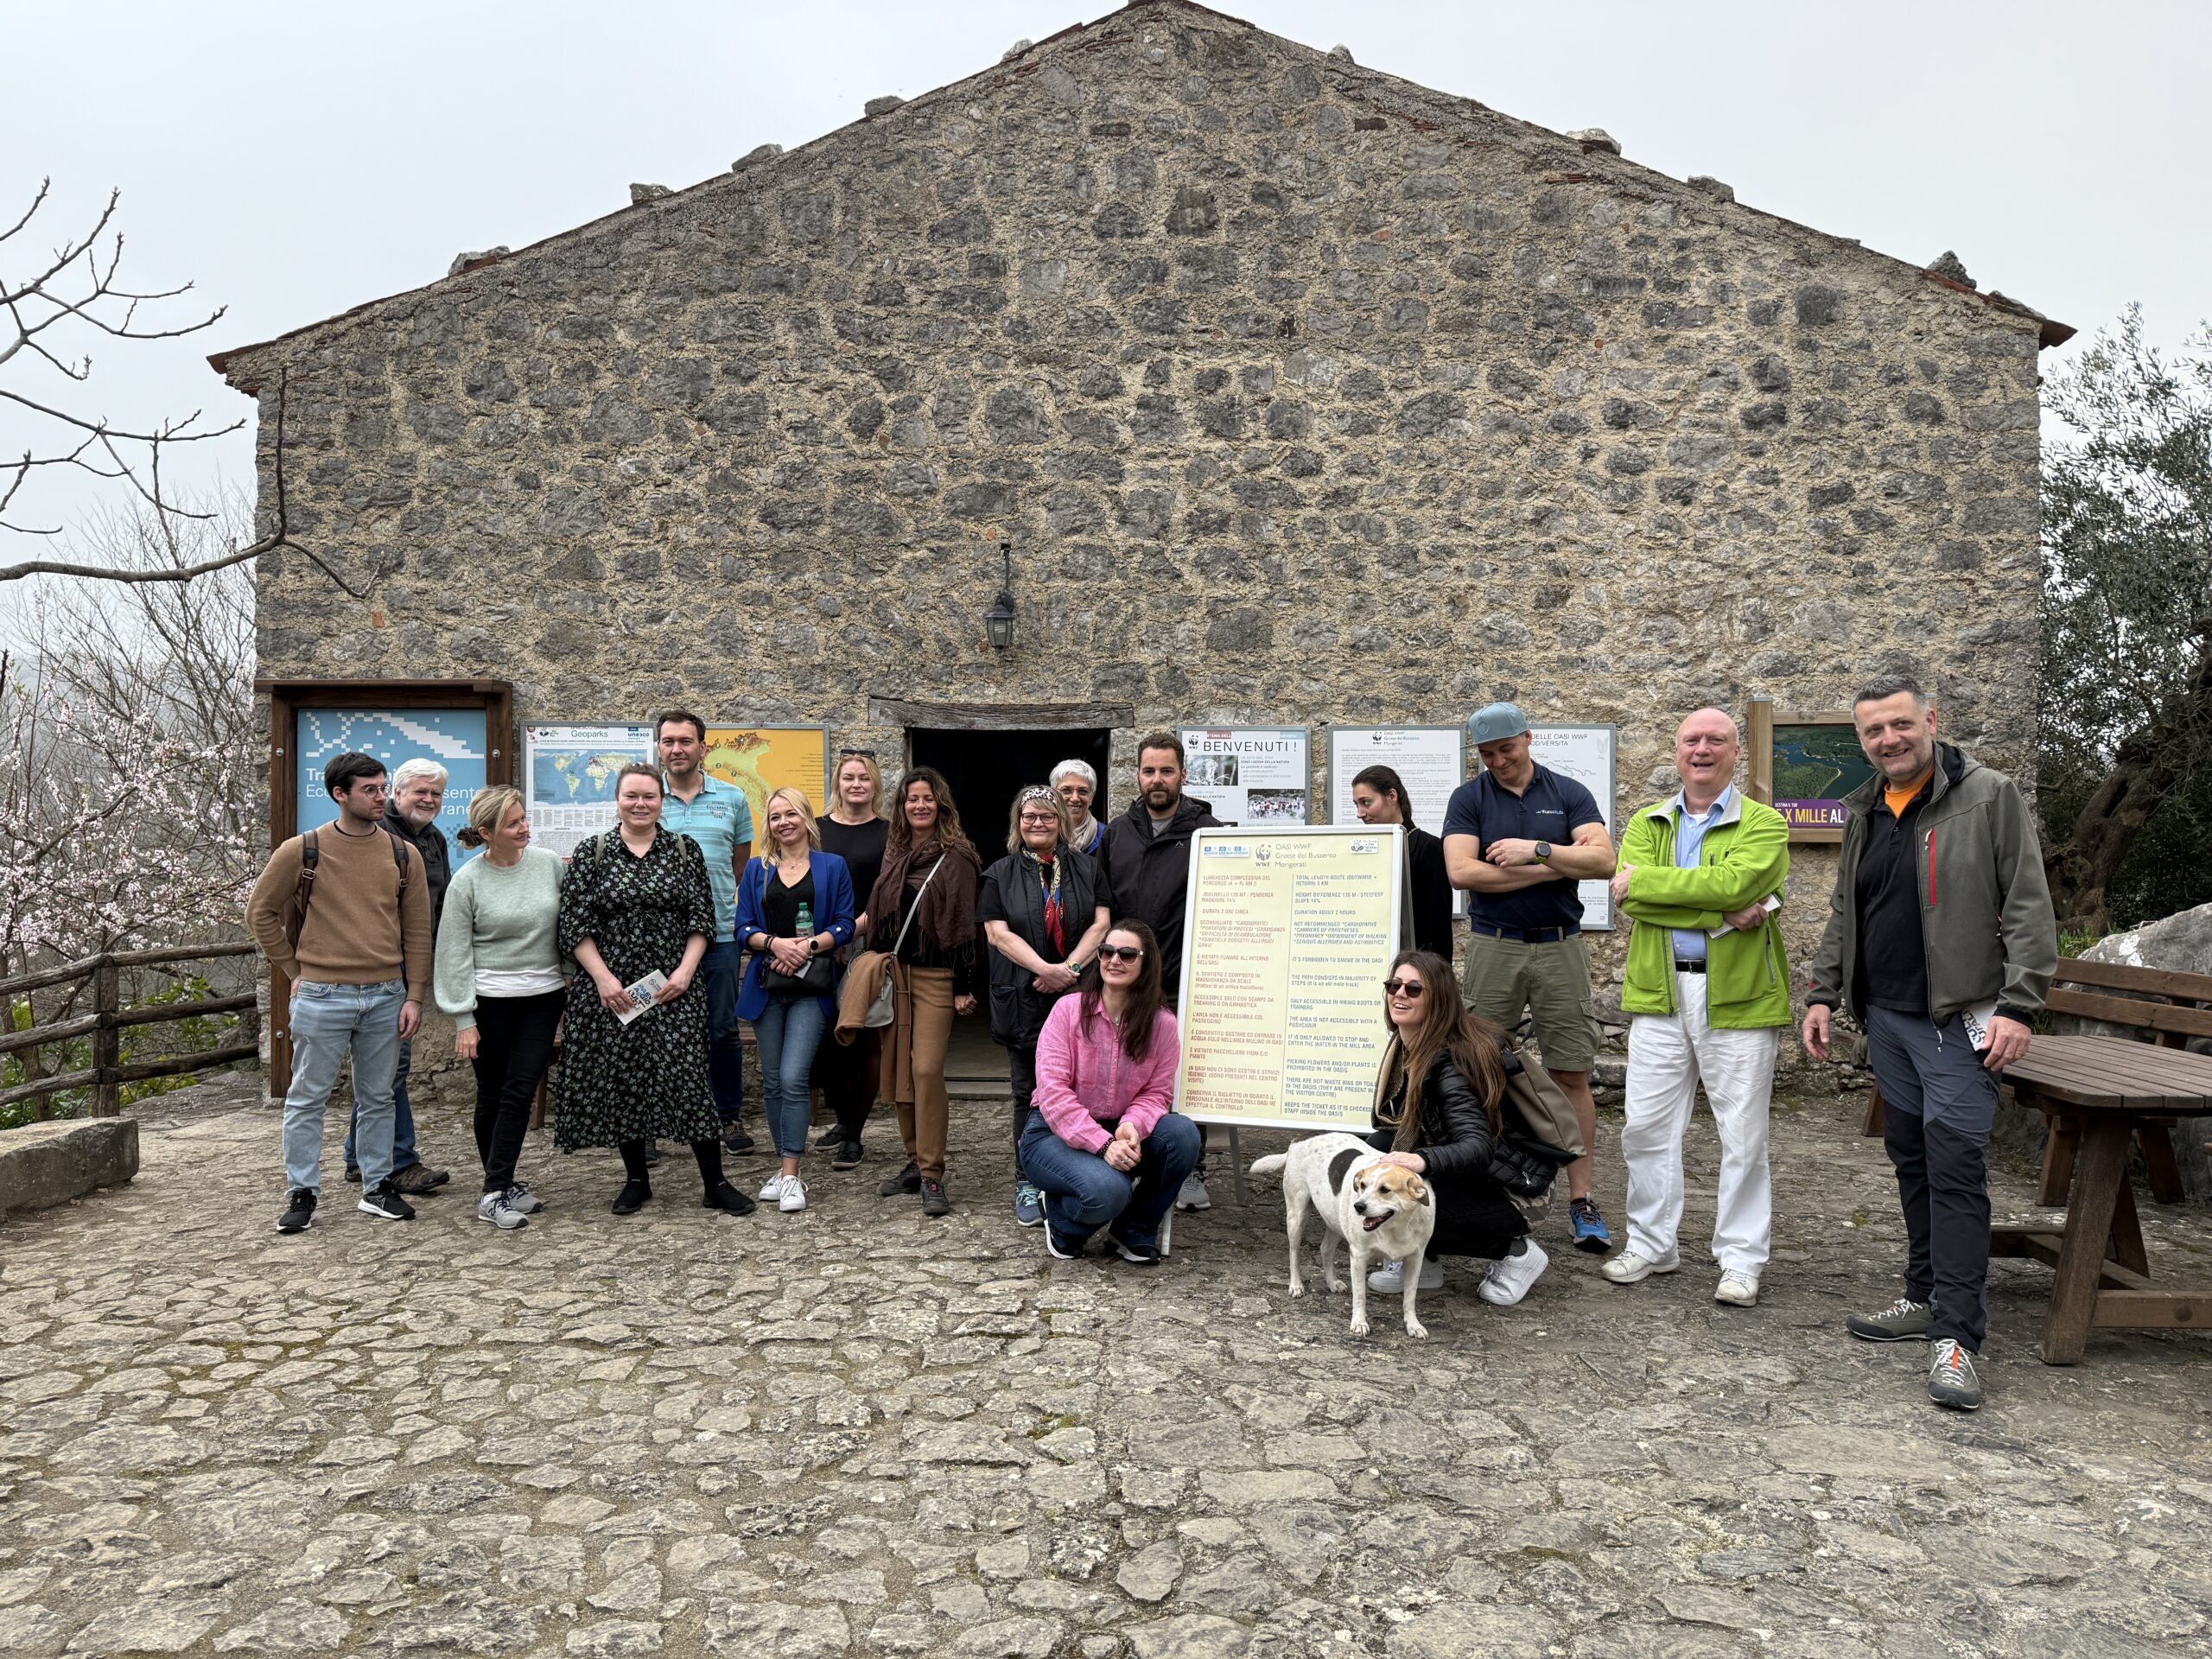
(1304, 395)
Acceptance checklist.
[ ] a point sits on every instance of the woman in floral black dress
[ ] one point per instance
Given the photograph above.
(636, 902)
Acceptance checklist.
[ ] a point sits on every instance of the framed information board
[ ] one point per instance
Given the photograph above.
(1288, 934)
(1248, 774)
(1802, 765)
(569, 775)
(1586, 754)
(761, 759)
(1430, 761)
(465, 724)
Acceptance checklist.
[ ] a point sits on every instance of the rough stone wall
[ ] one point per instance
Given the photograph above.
(1306, 396)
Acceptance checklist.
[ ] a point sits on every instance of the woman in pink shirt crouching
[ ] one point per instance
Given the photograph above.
(1101, 1144)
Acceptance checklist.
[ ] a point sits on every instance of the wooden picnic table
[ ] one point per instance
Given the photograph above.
(2113, 1090)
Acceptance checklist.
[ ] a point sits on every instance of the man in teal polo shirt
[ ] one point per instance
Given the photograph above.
(717, 815)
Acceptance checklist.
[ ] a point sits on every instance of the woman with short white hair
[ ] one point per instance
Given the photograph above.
(1075, 783)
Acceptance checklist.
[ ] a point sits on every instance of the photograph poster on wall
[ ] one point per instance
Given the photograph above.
(1248, 775)
(568, 778)
(1586, 754)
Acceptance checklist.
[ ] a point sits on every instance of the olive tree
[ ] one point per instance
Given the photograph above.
(2125, 690)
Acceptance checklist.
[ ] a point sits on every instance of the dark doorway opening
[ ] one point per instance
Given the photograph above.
(985, 770)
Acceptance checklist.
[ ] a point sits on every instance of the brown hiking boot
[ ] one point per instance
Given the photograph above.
(418, 1179)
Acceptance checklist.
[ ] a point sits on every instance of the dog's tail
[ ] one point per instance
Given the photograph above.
(1268, 1165)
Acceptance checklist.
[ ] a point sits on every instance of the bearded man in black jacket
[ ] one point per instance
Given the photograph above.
(1144, 864)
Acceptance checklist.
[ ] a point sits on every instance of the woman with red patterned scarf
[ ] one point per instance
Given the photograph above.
(1043, 916)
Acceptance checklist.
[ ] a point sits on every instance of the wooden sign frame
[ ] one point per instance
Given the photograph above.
(286, 699)
(1759, 723)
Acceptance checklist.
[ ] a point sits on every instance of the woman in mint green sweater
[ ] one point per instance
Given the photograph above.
(500, 976)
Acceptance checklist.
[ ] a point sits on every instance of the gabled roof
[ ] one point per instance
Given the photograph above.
(1579, 158)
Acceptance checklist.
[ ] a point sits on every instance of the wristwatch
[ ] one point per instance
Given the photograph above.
(1543, 851)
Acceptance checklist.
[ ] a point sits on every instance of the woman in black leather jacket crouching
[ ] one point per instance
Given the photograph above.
(1447, 1128)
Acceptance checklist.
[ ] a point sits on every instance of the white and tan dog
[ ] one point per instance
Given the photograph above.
(1382, 1212)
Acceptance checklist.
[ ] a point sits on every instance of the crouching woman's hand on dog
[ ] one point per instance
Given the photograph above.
(1412, 1161)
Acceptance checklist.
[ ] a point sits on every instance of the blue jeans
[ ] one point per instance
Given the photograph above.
(1083, 1192)
(329, 1022)
(788, 1030)
(403, 1155)
(722, 967)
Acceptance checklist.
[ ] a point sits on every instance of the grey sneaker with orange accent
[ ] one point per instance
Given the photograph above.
(1951, 1380)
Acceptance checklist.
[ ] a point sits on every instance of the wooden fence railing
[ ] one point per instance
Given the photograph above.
(105, 1024)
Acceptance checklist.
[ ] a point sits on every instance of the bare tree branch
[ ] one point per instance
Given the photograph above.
(165, 513)
(78, 286)
(182, 573)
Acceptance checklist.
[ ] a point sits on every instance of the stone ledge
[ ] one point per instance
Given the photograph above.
(42, 1165)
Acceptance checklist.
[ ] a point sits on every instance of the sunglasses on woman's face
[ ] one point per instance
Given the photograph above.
(1121, 952)
(1407, 987)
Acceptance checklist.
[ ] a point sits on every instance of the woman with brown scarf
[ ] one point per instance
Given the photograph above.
(931, 872)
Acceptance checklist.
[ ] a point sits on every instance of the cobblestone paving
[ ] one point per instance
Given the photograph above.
(859, 1430)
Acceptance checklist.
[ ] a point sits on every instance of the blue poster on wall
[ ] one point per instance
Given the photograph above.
(454, 738)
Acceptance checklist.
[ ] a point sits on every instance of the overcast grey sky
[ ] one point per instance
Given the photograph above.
(294, 160)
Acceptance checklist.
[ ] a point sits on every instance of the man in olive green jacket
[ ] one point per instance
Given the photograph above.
(1942, 941)
(1707, 991)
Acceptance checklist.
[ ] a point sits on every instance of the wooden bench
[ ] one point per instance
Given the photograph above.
(2100, 1096)
(2175, 1006)
(2113, 1091)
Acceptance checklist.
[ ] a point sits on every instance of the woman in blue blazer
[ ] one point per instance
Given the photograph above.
(794, 912)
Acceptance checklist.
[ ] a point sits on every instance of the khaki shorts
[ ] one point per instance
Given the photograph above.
(1504, 979)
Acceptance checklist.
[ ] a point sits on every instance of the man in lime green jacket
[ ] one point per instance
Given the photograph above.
(1708, 993)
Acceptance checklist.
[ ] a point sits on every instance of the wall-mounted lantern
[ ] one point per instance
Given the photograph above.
(998, 621)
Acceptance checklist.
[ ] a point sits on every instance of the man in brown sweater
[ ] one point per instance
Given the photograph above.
(358, 959)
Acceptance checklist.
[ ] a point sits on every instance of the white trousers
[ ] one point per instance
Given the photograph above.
(1669, 1056)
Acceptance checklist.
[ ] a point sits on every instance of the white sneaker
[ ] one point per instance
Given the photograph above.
(773, 1188)
(1737, 1290)
(1509, 1276)
(519, 1197)
(1632, 1267)
(1192, 1194)
(793, 1197)
(1391, 1281)
(494, 1208)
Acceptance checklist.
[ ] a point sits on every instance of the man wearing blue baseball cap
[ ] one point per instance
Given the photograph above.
(1517, 837)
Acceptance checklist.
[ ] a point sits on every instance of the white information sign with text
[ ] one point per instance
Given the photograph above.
(568, 777)
(1587, 755)
(1430, 761)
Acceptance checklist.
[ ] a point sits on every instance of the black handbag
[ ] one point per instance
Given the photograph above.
(817, 978)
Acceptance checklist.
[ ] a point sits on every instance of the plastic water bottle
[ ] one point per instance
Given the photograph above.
(805, 919)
